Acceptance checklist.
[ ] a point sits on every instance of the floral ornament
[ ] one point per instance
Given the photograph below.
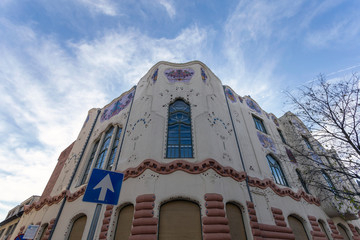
(203, 75)
(290, 155)
(155, 75)
(230, 95)
(275, 120)
(266, 142)
(179, 75)
(117, 106)
(252, 105)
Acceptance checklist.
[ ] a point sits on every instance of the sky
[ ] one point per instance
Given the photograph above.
(60, 58)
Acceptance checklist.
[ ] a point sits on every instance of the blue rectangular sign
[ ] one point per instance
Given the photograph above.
(103, 187)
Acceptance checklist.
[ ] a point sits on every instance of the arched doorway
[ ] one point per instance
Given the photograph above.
(124, 223)
(298, 228)
(180, 220)
(343, 232)
(236, 222)
(77, 228)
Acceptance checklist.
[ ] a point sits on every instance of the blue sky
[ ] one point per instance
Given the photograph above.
(61, 58)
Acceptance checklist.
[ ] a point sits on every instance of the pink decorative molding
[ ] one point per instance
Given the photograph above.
(268, 183)
(55, 199)
(48, 230)
(356, 235)
(144, 224)
(335, 233)
(188, 167)
(182, 165)
(262, 231)
(316, 232)
(106, 222)
(215, 224)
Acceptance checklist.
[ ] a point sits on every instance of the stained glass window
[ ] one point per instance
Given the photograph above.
(259, 124)
(104, 148)
(276, 171)
(88, 166)
(179, 139)
(113, 150)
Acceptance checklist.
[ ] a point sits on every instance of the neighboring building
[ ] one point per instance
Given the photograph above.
(200, 162)
(8, 226)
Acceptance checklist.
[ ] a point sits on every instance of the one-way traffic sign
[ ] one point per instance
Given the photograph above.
(103, 187)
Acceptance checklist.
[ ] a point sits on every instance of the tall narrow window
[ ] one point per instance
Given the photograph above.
(298, 228)
(236, 222)
(104, 148)
(259, 124)
(276, 171)
(329, 182)
(88, 166)
(77, 228)
(113, 150)
(302, 181)
(179, 140)
(323, 229)
(307, 143)
(343, 232)
(124, 223)
(281, 136)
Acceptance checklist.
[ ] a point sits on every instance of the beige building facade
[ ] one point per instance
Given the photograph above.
(199, 162)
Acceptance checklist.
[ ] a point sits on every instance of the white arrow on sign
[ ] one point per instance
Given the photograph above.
(105, 184)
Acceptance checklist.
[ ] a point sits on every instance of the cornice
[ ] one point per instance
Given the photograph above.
(188, 167)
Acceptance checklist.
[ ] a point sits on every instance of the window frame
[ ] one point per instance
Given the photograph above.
(281, 136)
(307, 143)
(102, 155)
(179, 149)
(302, 181)
(279, 175)
(100, 150)
(329, 182)
(259, 124)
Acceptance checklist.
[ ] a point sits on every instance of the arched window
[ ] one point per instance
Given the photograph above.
(179, 140)
(302, 181)
(323, 228)
(42, 231)
(180, 220)
(106, 152)
(89, 163)
(113, 149)
(298, 228)
(358, 230)
(343, 232)
(77, 228)
(329, 182)
(236, 222)
(124, 223)
(104, 148)
(276, 171)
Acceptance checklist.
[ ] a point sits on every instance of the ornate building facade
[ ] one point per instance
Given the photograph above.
(199, 162)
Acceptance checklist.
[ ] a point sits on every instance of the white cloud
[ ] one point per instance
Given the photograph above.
(169, 6)
(47, 91)
(106, 7)
(342, 32)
